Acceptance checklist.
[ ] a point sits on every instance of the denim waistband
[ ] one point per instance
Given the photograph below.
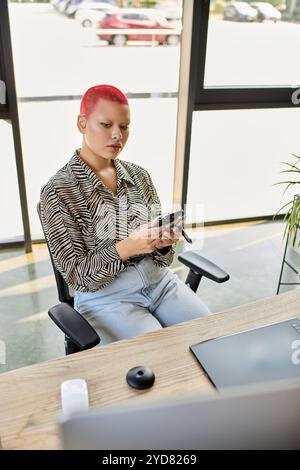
(139, 275)
(149, 271)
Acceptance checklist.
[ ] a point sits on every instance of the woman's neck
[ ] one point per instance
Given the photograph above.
(95, 162)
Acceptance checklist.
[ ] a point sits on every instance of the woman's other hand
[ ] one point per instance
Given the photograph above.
(142, 240)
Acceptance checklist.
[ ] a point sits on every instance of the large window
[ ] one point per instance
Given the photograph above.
(249, 46)
(241, 63)
(11, 217)
(245, 60)
(49, 137)
(10, 210)
(236, 158)
(56, 59)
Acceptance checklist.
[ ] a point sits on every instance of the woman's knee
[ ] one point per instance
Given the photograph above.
(179, 305)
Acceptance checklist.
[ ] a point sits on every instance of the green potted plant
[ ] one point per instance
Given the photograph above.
(292, 208)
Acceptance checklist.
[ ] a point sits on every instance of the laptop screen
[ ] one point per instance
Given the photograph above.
(263, 354)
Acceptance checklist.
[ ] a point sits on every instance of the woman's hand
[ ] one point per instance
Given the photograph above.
(168, 237)
(142, 240)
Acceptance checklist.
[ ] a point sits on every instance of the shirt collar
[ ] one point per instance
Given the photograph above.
(88, 179)
(122, 173)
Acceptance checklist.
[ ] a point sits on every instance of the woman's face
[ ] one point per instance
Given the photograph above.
(105, 131)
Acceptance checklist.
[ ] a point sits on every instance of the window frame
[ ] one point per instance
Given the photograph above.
(4, 113)
(218, 98)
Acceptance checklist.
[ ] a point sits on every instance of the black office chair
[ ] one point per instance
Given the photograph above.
(80, 335)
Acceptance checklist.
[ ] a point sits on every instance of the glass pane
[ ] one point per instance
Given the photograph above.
(55, 55)
(49, 143)
(56, 59)
(10, 211)
(236, 159)
(253, 44)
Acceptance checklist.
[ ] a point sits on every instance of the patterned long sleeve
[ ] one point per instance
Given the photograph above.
(85, 269)
(83, 220)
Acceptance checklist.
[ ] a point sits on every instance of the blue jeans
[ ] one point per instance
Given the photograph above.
(142, 298)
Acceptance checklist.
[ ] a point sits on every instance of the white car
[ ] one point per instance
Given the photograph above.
(54, 3)
(90, 17)
(74, 6)
(172, 14)
(61, 6)
(266, 11)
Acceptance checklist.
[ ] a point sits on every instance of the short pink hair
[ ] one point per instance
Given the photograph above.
(106, 92)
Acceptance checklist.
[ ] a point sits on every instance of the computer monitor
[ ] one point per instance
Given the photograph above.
(259, 417)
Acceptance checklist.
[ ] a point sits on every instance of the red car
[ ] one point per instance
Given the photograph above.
(137, 19)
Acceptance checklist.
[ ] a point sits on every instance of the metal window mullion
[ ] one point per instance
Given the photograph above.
(192, 59)
(13, 117)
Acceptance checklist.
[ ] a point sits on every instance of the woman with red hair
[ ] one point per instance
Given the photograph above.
(96, 213)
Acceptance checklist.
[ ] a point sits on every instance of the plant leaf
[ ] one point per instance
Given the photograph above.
(291, 165)
(292, 216)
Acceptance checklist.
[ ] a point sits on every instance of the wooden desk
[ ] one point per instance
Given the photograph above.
(30, 397)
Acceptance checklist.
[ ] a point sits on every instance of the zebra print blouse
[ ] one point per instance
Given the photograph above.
(83, 220)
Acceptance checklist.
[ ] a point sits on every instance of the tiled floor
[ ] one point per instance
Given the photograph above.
(251, 253)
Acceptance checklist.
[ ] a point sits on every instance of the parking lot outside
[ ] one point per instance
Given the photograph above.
(55, 57)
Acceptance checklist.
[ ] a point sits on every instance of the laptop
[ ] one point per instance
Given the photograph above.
(264, 354)
(265, 418)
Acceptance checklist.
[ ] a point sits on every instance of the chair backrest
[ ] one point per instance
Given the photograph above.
(63, 290)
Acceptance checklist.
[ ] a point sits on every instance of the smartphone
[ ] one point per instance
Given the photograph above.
(170, 219)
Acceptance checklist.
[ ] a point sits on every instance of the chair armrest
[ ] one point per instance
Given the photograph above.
(202, 266)
(74, 326)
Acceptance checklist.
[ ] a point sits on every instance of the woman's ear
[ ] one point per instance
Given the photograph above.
(81, 123)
